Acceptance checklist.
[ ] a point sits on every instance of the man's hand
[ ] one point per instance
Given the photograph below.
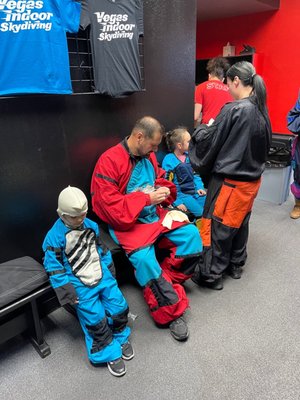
(159, 195)
(201, 192)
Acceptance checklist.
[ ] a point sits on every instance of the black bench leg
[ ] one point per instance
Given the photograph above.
(71, 310)
(36, 335)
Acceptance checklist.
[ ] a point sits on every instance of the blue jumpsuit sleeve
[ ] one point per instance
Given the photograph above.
(53, 247)
(168, 165)
(198, 182)
(53, 261)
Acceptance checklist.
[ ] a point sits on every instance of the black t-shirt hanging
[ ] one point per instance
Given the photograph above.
(115, 29)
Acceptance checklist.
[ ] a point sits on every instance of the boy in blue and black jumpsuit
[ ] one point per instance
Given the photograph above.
(79, 266)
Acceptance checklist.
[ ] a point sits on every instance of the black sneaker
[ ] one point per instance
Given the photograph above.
(216, 284)
(127, 351)
(117, 367)
(179, 329)
(234, 271)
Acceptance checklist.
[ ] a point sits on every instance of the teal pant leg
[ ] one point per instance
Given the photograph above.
(145, 264)
(100, 344)
(194, 203)
(116, 307)
(186, 240)
(102, 312)
(166, 300)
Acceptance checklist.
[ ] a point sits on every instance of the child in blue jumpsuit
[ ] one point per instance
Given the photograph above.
(78, 265)
(190, 190)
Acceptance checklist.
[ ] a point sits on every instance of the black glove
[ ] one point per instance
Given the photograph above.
(66, 294)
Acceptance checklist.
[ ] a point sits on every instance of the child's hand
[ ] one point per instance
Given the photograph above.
(66, 294)
(201, 192)
(182, 207)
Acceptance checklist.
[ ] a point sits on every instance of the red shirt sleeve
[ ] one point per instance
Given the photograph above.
(198, 94)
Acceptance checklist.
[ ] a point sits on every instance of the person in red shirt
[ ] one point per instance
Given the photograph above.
(211, 95)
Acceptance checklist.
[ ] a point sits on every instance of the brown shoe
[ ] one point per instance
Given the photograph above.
(296, 210)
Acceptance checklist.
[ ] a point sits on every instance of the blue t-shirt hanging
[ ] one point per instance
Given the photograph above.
(33, 45)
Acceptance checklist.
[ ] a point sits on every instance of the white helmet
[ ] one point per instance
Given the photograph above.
(72, 201)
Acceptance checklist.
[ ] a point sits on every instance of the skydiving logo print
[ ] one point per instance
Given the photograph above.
(24, 15)
(114, 26)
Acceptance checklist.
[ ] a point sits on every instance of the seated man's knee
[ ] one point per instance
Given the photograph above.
(190, 242)
(145, 264)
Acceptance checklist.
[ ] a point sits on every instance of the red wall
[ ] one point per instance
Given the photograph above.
(276, 35)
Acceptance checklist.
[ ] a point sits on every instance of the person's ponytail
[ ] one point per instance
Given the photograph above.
(247, 74)
(260, 93)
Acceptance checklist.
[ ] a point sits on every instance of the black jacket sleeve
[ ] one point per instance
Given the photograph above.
(207, 141)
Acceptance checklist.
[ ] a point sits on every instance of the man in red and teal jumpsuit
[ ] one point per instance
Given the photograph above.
(130, 193)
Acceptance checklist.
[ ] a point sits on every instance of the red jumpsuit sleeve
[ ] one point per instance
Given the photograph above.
(109, 203)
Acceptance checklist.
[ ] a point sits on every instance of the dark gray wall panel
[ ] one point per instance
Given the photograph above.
(48, 142)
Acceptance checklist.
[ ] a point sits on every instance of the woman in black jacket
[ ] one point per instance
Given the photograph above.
(233, 150)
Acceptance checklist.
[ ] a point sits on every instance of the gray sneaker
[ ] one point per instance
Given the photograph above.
(179, 329)
(117, 367)
(127, 351)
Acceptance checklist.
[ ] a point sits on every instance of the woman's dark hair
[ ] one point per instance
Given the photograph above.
(247, 74)
(175, 136)
(218, 66)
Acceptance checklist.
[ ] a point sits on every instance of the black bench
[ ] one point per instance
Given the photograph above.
(25, 297)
